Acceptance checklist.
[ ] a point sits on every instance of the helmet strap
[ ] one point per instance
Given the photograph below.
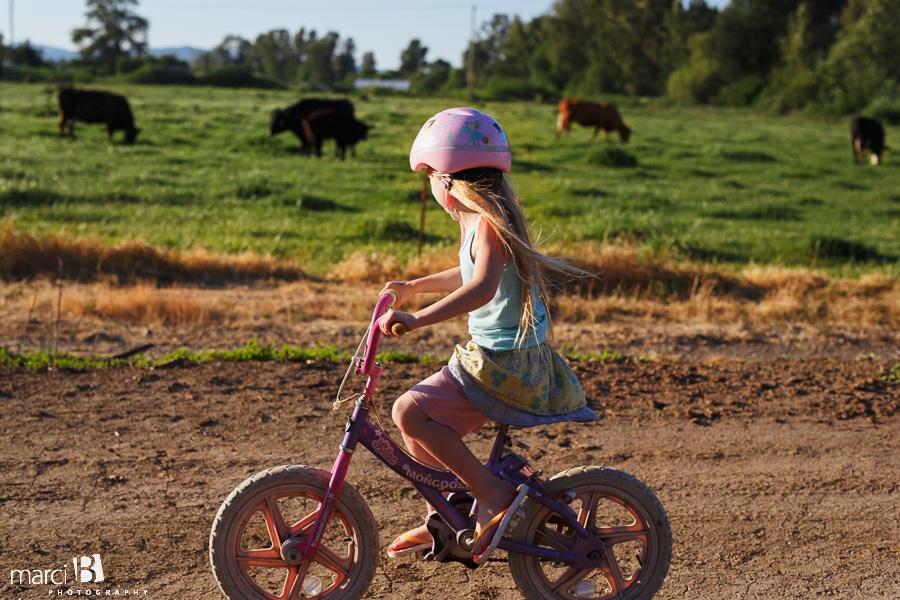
(446, 183)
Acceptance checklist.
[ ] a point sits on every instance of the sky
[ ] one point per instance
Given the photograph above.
(384, 27)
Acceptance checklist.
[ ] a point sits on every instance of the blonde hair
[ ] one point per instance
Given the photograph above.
(489, 193)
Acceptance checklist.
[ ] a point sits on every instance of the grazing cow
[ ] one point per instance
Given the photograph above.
(321, 125)
(868, 135)
(291, 118)
(591, 114)
(91, 106)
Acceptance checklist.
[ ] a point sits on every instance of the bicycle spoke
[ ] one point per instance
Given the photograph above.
(294, 582)
(303, 523)
(268, 557)
(586, 518)
(569, 578)
(340, 566)
(274, 521)
(620, 534)
(612, 572)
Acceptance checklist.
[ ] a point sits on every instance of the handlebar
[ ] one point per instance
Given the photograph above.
(393, 295)
(384, 304)
(398, 329)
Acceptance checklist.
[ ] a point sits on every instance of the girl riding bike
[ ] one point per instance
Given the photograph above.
(590, 532)
(507, 372)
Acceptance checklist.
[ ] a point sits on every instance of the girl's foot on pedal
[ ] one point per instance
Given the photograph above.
(490, 515)
(414, 540)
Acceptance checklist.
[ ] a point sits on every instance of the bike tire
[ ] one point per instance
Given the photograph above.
(612, 499)
(269, 502)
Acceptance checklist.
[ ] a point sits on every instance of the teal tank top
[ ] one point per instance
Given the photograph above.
(495, 325)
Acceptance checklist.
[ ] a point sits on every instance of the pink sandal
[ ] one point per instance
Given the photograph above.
(407, 544)
(504, 517)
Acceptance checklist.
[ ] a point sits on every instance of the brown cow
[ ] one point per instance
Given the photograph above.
(91, 106)
(591, 114)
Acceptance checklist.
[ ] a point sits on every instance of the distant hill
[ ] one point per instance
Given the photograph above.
(186, 53)
(53, 54)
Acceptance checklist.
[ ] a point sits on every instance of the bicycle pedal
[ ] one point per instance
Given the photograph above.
(517, 516)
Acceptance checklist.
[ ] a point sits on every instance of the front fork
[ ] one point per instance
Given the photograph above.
(342, 462)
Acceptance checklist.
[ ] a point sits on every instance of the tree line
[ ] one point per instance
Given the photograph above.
(822, 56)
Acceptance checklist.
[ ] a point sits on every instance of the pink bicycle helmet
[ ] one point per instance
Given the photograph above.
(460, 138)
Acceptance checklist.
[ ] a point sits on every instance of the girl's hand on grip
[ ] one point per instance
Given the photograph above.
(401, 289)
(393, 317)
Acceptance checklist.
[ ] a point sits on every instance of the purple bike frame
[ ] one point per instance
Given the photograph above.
(431, 483)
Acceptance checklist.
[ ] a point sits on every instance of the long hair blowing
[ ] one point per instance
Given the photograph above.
(488, 192)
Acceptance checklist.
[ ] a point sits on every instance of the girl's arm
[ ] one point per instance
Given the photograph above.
(445, 281)
(489, 260)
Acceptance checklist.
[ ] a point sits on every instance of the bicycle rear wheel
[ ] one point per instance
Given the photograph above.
(261, 528)
(618, 509)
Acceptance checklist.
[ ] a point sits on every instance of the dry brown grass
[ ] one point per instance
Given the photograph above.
(24, 256)
(841, 302)
(631, 282)
(366, 268)
(623, 268)
(378, 268)
(433, 262)
(237, 306)
(871, 303)
(145, 304)
(638, 283)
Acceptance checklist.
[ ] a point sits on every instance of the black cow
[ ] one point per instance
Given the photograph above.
(321, 125)
(291, 118)
(868, 135)
(92, 106)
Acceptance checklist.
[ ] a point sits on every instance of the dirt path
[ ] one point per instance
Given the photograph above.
(780, 478)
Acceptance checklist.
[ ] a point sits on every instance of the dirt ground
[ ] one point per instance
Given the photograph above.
(772, 445)
(780, 477)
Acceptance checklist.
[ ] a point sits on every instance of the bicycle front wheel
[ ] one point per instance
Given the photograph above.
(619, 510)
(262, 526)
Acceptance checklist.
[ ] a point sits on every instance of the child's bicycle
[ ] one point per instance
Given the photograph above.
(300, 532)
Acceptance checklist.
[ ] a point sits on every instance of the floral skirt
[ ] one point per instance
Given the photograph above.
(523, 387)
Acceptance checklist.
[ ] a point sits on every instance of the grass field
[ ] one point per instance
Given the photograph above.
(711, 185)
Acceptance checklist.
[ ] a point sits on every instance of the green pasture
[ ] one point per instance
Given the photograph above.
(712, 185)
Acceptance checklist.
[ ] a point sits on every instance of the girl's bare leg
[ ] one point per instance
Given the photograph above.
(420, 532)
(440, 443)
